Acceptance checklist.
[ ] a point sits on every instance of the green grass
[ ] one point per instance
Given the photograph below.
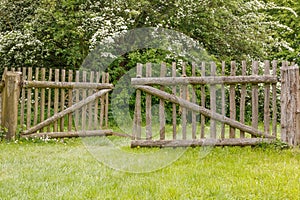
(66, 170)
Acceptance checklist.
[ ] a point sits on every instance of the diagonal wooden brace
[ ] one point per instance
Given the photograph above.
(67, 111)
(204, 111)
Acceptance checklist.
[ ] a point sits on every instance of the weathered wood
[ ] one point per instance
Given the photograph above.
(77, 93)
(56, 97)
(255, 97)
(283, 101)
(243, 99)
(28, 115)
(184, 110)
(162, 117)
(65, 112)
(106, 102)
(66, 85)
(102, 102)
(291, 108)
(49, 99)
(274, 100)
(69, 134)
(213, 103)
(10, 101)
(202, 131)
(200, 142)
(84, 108)
(148, 106)
(223, 106)
(267, 99)
(36, 98)
(138, 108)
(289, 123)
(174, 110)
(62, 100)
(232, 105)
(194, 122)
(23, 97)
(42, 103)
(90, 108)
(96, 122)
(184, 103)
(70, 100)
(169, 81)
(297, 118)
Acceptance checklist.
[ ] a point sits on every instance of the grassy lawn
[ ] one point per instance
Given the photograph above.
(57, 170)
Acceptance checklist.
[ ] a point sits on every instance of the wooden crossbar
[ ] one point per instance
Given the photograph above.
(66, 85)
(200, 142)
(169, 81)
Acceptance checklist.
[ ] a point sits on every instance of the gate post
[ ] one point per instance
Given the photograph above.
(10, 100)
(290, 104)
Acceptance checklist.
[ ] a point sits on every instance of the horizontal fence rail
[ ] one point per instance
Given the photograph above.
(173, 81)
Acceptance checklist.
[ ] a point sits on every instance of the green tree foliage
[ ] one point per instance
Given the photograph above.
(65, 31)
(287, 12)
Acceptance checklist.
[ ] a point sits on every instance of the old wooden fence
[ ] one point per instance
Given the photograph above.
(205, 104)
(188, 95)
(54, 102)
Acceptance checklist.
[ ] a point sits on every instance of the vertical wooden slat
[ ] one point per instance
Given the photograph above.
(90, 108)
(28, 117)
(223, 108)
(56, 99)
(184, 110)
(232, 105)
(148, 106)
(267, 100)
(96, 123)
(274, 101)
(49, 99)
(106, 101)
(102, 102)
(297, 112)
(42, 103)
(22, 113)
(194, 122)
(11, 91)
(138, 110)
(291, 97)
(202, 101)
(84, 108)
(162, 117)
(174, 112)
(62, 100)
(36, 98)
(70, 100)
(213, 104)
(243, 99)
(255, 97)
(77, 94)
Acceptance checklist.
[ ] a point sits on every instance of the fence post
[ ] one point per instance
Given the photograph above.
(10, 100)
(290, 104)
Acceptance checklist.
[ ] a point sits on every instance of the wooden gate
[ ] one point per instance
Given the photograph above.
(59, 103)
(213, 105)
